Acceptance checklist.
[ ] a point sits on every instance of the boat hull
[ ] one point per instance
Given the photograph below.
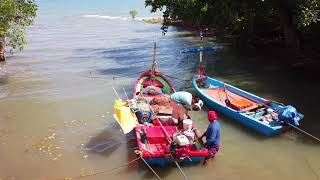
(166, 161)
(155, 149)
(234, 114)
(160, 80)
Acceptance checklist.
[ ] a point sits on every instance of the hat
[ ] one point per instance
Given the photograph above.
(212, 115)
(199, 104)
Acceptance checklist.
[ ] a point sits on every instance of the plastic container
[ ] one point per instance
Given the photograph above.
(175, 121)
(182, 140)
(269, 110)
(187, 124)
(189, 134)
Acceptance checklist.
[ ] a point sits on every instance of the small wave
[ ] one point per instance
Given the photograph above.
(105, 17)
(117, 17)
(146, 18)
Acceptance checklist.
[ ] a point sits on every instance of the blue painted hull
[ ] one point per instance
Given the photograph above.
(241, 117)
(166, 161)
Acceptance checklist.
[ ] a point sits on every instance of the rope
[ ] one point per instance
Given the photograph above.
(129, 75)
(154, 172)
(101, 172)
(225, 91)
(169, 140)
(309, 165)
(174, 77)
(184, 175)
(114, 77)
(304, 132)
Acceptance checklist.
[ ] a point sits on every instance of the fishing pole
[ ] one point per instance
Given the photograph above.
(125, 93)
(116, 93)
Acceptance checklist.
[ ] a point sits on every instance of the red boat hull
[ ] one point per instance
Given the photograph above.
(155, 148)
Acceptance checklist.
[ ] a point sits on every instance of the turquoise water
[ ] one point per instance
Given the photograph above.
(107, 7)
(56, 99)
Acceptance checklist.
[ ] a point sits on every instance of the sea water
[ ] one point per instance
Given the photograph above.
(56, 99)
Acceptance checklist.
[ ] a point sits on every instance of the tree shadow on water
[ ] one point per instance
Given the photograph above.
(109, 141)
(106, 142)
(3, 74)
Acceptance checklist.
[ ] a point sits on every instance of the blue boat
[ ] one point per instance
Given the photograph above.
(266, 117)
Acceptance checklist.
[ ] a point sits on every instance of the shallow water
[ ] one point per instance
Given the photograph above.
(56, 103)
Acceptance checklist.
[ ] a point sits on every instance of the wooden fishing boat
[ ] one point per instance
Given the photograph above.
(152, 78)
(264, 116)
(160, 141)
(255, 112)
(158, 144)
(153, 143)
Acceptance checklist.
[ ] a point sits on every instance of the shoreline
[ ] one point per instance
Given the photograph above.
(306, 58)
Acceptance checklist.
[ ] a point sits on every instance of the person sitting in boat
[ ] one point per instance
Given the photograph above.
(143, 116)
(185, 98)
(142, 109)
(212, 136)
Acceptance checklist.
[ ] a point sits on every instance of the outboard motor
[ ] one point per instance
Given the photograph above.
(290, 115)
(173, 149)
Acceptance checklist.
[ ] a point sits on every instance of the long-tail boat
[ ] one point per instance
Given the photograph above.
(160, 142)
(265, 116)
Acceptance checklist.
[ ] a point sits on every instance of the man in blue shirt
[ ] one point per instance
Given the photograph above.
(212, 136)
(186, 99)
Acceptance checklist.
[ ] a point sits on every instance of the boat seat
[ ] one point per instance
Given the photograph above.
(152, 82)
(155, 135)
(237, 102)
(240, 104)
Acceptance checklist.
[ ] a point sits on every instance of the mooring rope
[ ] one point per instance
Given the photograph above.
(154, 172)
(310, 135)
(173, 77)
(100, 172)
(169, 140)
(184, 175)
(127, 75)
(311, 168)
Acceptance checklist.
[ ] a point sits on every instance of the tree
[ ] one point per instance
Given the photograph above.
(133, 13)
(244, 17)
(15, 16)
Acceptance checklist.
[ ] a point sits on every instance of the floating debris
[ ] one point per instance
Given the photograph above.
(48, 146)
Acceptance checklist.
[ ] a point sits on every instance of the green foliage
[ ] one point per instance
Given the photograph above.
(133, 13)
(309, 13)
(15, 16)
(245, 17)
